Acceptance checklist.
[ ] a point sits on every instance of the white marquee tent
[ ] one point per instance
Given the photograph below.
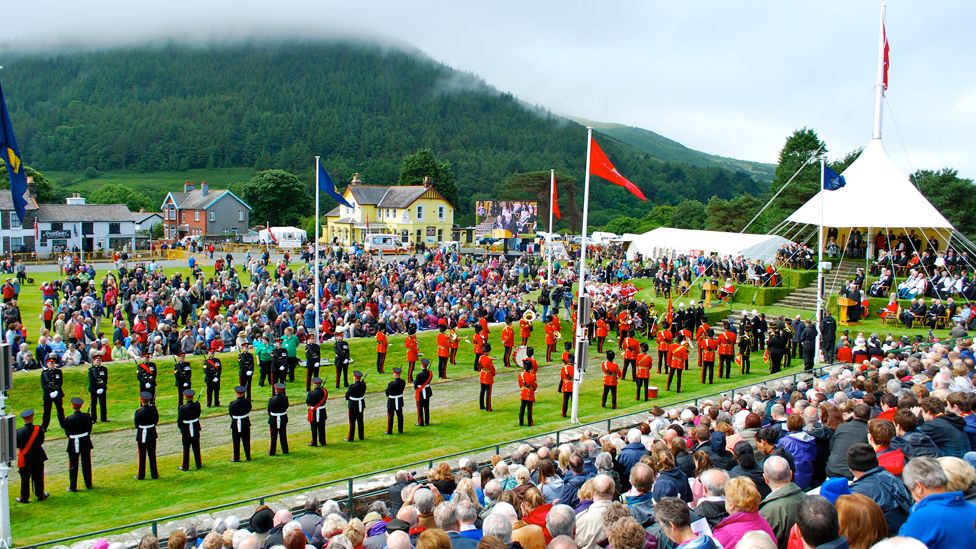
(877, 194)
(669, 242)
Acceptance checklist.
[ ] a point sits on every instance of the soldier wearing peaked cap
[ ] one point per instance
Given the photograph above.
(240, 423)
(394, 401)
(146, 418)
(212, 369)
(423, 392)
(356, 402)
(245, 368)
(279, 363)
(278, 419)
(183, 373)
(313, 359)
(98, 388)
(188, 419)
(317, 414)
(146, 374)
(341, 358)
(77, 427)
(52, 383)
(31, 458)
(527, 388)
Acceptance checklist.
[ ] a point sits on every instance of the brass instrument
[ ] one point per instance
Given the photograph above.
(529, 316)
(557, 335)
(452, 336)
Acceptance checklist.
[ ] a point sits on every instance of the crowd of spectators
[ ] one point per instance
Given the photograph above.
(872, 455)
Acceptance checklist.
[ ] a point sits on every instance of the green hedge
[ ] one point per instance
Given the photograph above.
(794, 278)
(759, 296)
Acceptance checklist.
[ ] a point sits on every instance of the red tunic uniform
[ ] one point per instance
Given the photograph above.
(413, 349)
(678, 353)
(478, 341)
(611, 373)
(631, 349)
(487, 368)
(664, 338)
(709, 345)
(566, 377)
(381, 342)
(601, 328)
(525, 329)
(508, 336)
(443, 346)
(644, 364)
(527, 386)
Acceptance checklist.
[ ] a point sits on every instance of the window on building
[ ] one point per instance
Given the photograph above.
(420, 213)
(15, 221)
(240, 215)
(16, 243)
(196, 215)
(172, 212)
(114, 228)
(211, 216)
(57, 226)
(440, 235)
(440, 213)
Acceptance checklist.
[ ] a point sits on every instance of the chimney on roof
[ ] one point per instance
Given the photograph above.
(31, 187)
(355, 179)
(204, 188)
(75, 200)
(187, 186)
(428, 183)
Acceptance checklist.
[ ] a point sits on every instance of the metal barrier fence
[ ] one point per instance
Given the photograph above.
(616, 422)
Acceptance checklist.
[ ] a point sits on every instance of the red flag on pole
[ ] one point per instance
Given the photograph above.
(601, 166)
(555, 199)
(884, 35)
(670, 314)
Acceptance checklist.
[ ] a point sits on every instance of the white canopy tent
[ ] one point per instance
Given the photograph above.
(877, 194)
(286, 237)
(669, 242)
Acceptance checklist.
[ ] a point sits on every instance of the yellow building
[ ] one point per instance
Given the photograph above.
(415, 213)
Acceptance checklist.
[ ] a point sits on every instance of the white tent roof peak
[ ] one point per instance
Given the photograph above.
(877, 194)
(668, 240)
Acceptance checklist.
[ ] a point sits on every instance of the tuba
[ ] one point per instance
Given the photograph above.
(529, 316)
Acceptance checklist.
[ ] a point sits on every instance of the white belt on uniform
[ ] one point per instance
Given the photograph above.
(239, 419)
(77, 440)
(318, 417)
(277, 416)
(362, 405)
(189, 423)
(397, 401)
(145, 431)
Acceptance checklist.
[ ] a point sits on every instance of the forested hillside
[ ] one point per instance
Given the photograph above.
(363, 108)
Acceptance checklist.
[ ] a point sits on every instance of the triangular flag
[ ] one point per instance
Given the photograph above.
(884, 36)
(670, 314)
(555, 199)
(601, 166)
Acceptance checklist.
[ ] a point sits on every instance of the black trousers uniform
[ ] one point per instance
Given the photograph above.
(662, 359)
(725, 366)
(265, 371)
(394, 404)
(145, 421)
(31, 469)
(567, 397)
(356, 403)
(77, 427)
(525, 409)
(708, 370)
(189, 423)
(278, 423)
(484, 397)
(317, 415)
(612, 391)
(56, 403)
(240, 427)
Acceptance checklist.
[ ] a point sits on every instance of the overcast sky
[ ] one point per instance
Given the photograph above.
(730, 78)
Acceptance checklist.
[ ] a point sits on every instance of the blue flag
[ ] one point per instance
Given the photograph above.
(832, 180)
(11, 155)
(327, 186)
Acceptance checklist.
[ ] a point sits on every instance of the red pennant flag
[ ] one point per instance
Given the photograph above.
(601, 166)
(884, 36)
(555, 199)
(670, 314)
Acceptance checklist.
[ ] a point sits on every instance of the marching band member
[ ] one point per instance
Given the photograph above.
(566, 381)
(486, 367)
(678, 354)
(508, 342)
(527, 387)
(663, 338)
(611, 373)
(643, 373)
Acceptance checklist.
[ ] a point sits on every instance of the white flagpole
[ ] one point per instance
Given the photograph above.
(580, 330)
(879, 85)
(315, 250)
(552, 194)
(820, 288)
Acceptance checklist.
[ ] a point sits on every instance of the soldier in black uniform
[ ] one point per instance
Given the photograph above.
(211, 371)
(31, 458)
(245, 365)
(52, 381)
(394, 402)
(313, 355)
(188, 420)
(317, 414)
(278, 419)
(341, 359)
(279, 363)
(240, 423)
(146, 374)
(146, 418)
(423, 392)
(183, 373)
(98, 388)
(355, 397)
(77, 427)
(264, 366)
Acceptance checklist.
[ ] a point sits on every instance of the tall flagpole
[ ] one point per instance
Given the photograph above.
(820, 288)
(315, 250)
(879, 85)
(581, 342)
(552, 194)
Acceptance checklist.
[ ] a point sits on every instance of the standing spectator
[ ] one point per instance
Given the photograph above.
(846, 435)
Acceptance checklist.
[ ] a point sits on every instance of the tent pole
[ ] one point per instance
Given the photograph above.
(820, 246)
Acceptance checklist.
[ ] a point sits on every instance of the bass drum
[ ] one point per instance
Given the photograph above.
(521, 353)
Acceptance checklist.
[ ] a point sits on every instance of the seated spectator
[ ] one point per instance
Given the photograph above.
(742, 501)
(25, 359)
(780, 507)
(936, 518)
(912, 442)
(674, 517)
(746, 466)
(639, 499)
(860, 521)
(847, 434)
(882, 487)
(818, 524)
(712, 505)
(947, 430)
(961, 476)
(671, 481)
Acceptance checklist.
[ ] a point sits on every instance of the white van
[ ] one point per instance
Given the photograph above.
(384, 244)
